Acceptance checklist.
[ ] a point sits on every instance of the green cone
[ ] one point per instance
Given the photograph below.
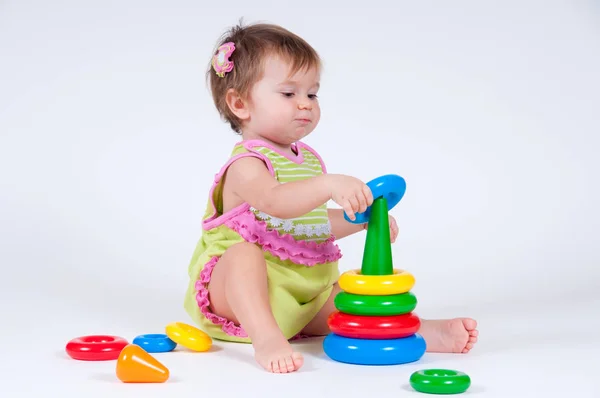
(377, 257)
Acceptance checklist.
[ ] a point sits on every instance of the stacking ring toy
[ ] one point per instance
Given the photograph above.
(396, 304)
(440, 381)
(155, 342)
(373, 327)
(376, 285)
(374, 352)
(390, 186)
(188, 336)
(95, 347)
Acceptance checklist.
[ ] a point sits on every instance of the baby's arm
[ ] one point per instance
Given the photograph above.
(249, 179)
(340, 228)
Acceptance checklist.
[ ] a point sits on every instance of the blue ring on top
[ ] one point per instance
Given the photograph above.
(390, 186)
(156, 342)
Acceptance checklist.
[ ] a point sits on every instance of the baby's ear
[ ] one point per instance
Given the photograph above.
(237, 104)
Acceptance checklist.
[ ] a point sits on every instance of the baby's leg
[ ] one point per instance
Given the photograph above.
(456, 335)
(318, 325)
(238, 291)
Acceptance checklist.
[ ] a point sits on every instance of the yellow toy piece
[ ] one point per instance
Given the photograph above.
(376, 285)
(188, 336)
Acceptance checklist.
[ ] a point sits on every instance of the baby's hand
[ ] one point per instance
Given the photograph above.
(393, 228)
(353, 195)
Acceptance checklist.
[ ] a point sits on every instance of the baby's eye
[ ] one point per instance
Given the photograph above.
(312, 96)
(287, 94)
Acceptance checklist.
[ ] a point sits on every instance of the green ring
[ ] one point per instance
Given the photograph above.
(440, 381)
(395, 304)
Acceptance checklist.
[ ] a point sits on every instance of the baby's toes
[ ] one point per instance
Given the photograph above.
(275, 366)
(469, 324)
(282, 366)
(289, 364)
(297, 359)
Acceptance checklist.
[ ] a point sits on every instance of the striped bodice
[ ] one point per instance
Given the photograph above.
(313, 226)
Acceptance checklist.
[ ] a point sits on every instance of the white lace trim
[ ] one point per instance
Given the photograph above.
(289, 226)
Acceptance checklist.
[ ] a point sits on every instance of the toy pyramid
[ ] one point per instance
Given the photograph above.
(374, 323)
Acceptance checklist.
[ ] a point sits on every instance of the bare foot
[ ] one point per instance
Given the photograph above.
(456, 335)
(276, 355)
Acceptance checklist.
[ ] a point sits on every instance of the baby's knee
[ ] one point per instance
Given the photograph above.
(244, 253)
(245, 249)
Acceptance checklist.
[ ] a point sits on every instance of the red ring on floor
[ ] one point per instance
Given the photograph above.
(373, 327)
(96, 347)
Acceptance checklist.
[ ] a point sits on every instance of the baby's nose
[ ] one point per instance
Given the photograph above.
(304, 105)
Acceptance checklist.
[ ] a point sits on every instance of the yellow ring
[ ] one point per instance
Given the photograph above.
(376, 285)
(188, 336)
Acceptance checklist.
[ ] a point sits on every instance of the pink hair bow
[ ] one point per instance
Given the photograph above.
(221, 62)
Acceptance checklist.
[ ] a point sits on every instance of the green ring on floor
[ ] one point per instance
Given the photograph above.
(394, 304)
(440, 381)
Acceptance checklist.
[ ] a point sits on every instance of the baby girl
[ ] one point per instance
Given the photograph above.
(265, 270)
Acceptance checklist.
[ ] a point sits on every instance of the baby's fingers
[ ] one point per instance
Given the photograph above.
(368, 194)
(362, 202)
(347, 206)
(393, 229)
(354, 203)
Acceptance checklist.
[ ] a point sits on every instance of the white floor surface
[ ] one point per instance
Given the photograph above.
(544, 352)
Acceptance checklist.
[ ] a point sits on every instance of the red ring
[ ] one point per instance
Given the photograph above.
(96, 347)
(373, 327)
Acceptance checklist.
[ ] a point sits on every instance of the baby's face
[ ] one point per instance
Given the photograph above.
(284, 108)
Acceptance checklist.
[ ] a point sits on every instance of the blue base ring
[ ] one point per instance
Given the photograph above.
(374, 352)
(389, 186)
(155, 342)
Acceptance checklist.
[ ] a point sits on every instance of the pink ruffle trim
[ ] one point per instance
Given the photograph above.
(284, 246)
(202, 298)
(203, 302)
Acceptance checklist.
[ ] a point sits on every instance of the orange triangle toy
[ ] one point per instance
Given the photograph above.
(135, 365)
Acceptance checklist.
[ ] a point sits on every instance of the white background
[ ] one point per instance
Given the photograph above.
(109, 143)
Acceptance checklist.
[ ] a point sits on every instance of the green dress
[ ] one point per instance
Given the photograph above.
(300, 254)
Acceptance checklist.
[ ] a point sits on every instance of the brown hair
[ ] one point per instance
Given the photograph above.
(253, 43)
